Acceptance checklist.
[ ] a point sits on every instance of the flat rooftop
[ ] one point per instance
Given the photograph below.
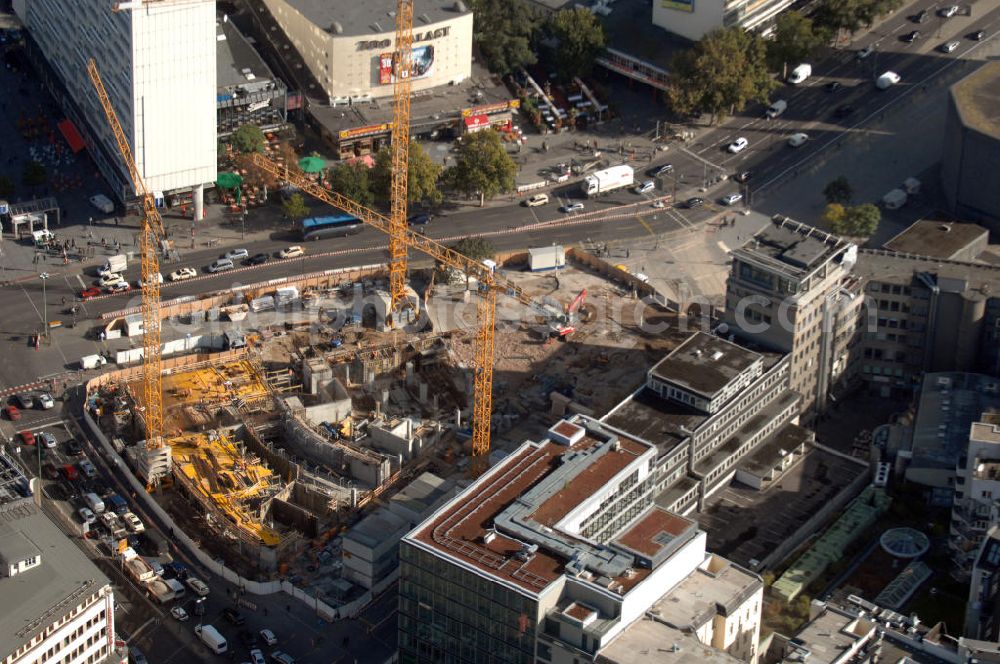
(233, 54)
(878, 265)
(41, 595)
(655, 533)
(949, 403)
(718, 587)
(374, 17)
(830, 633)
(977, 98)
(938, 239)
(792, 245)
(705, 364)
(651, 642)
(662, 422)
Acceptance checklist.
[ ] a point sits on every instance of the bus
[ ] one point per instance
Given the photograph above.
(337, 225)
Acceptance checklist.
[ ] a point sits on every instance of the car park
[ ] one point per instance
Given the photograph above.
(12, 413)
(948, 12)
(47, 440)
(92, 292)
(797, 140)
(231, 614)
(257, 259)
(662, 170)
(197, 586)
(45, 401)
(738, 145)
(236, 254)
(179, 613)
(536, 200)
(26, 437)
(86, 515)
(695, 202)
(221, 265)
(292, 252)
(268, 637)
(732, 199)
(572, 207)
(183, 273)
(911, 37)
(948, 47)
(645, 187)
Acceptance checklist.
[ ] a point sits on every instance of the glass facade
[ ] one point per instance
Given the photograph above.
(449, 615)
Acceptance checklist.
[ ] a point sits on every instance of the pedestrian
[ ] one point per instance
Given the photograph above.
(265, 611)
(64, 300)
(117, 221)
(104, 242)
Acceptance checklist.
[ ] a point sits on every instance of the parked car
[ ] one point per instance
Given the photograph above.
(230, 614)
(419, 219)
(743, 176)
(88, 469)
(732, 199)
(45, 401)
(268, 637)
(292, 252)
(26, 437)
(135, 656)
(110, 278)
(86, 515)
(70, 472)
(536, 200)
(282, 657)
(47, 440)
(183, 273)
(949, 46)
(50, 471)
(662, 170)
(948, 12)
(257, 657)
(73, 447)
(911, 37)
(695, 202)
(179, 613)
(221, 265)
(257, 259)
(236, 254)
(25, 401)
(645, 187)
(737, 146)
(92, 292)
(12, 413)
(133, 523)
(572, 207)
(797, 140)
(197, 585)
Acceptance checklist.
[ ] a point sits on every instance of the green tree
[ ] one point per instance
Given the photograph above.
(838, 191)
(852, 15)
(504, 32)
(353, 181)
(721, 74)
(795, 39)
(422, 177)
(580, 39)
(834, 216)
(295, 207)
(863, 220)
(34, 174)
(247, 139)
(482, 166)
(6, 187)
(476, 248)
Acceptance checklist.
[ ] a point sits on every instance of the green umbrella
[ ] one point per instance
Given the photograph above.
(312, 164)
(228, 180)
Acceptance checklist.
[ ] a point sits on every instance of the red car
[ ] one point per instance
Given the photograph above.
(70, 471)
(27, 438)
(88, 293)
(12, 413)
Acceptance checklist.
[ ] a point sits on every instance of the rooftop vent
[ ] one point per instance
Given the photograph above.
(489, 536)
(717, 355)
(460, 7)
(336, 28)
(945, 227)
(376, 27)
(425, 18)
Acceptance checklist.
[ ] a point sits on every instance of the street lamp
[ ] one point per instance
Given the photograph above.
(44, 276)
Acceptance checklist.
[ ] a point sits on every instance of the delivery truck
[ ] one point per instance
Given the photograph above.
(211, 638)
(610, 179)
(92, 361)
(115, 264)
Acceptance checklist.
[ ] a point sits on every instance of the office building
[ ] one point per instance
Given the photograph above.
(971, 154)
(157, 59)
(247, 92)
(977, 481)
(982, 613)
(791, 289)
(558, 551)
(57, 605)
(693, 20)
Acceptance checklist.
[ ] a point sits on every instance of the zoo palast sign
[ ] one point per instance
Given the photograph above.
(373, 44)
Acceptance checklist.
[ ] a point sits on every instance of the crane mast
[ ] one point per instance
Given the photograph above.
(402, 63)
(149, 234)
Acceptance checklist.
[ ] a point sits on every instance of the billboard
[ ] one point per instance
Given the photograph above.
(361, 132)
(679, 5)
(421, 64)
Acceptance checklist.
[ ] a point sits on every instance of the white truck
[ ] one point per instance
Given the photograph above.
(115, 264)
(92, 361)
(211, 638)
(610, 179)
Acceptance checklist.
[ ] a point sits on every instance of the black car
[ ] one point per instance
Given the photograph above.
(233, 616)
(843, 111)
(695, 202)
(833, 86)
(911, 37)
(661, 170)
(921, 16)
(743, 176)
(73, 447)
(247, 637)
(977, 35)
(257, 259)
(419, 219)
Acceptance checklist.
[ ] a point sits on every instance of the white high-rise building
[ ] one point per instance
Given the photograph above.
(157, 59)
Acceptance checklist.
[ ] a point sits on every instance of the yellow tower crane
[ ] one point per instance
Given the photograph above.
(402, 64)
(150, 233)
(490, 283)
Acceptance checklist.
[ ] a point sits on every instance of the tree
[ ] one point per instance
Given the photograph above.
(295, 207)
(721, 74)
(580, 39)
(353, 181)
(834, 216)
(795, 39)
(422, 177)
(852, 15)
(838, 191)
(476, 248)
(34, 174)
(504, 32)
(482, 166)
(6, 187)
(247, 139)
(863, 220)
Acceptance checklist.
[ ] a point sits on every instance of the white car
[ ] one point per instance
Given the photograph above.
(887, 80)
(237, 254)
(732, 199)
(292, 252)
(257, 657)
(179, 613)
(798, 140)
(118, 287)
(536, 200)
(949, 47)
(45, 401)
(198, 586)
(268, 637)
(183, 273)
(648, 185)
(86, 515)
(737, 146)
(133, 523)
(948, 12)
(572, 207)
(110, 278)
(158, 279)
(221, 265)
(47, 439)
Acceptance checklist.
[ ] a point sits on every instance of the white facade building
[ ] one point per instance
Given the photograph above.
(694, 19)
(977, 492)
(158, 63)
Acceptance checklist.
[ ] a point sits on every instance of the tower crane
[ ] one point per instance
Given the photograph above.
(402, 64)
(149, 234)
(490, 283)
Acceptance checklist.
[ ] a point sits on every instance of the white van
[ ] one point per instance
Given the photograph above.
(800, 73)
(211, 638)
(94, 502)
(777, 108)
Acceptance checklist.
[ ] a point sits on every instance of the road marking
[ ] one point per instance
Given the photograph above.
(644, 224)
(83, 286)
(142, 627)
(722, 245)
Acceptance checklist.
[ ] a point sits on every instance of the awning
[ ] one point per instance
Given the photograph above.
(72, 136)
(476, 122)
